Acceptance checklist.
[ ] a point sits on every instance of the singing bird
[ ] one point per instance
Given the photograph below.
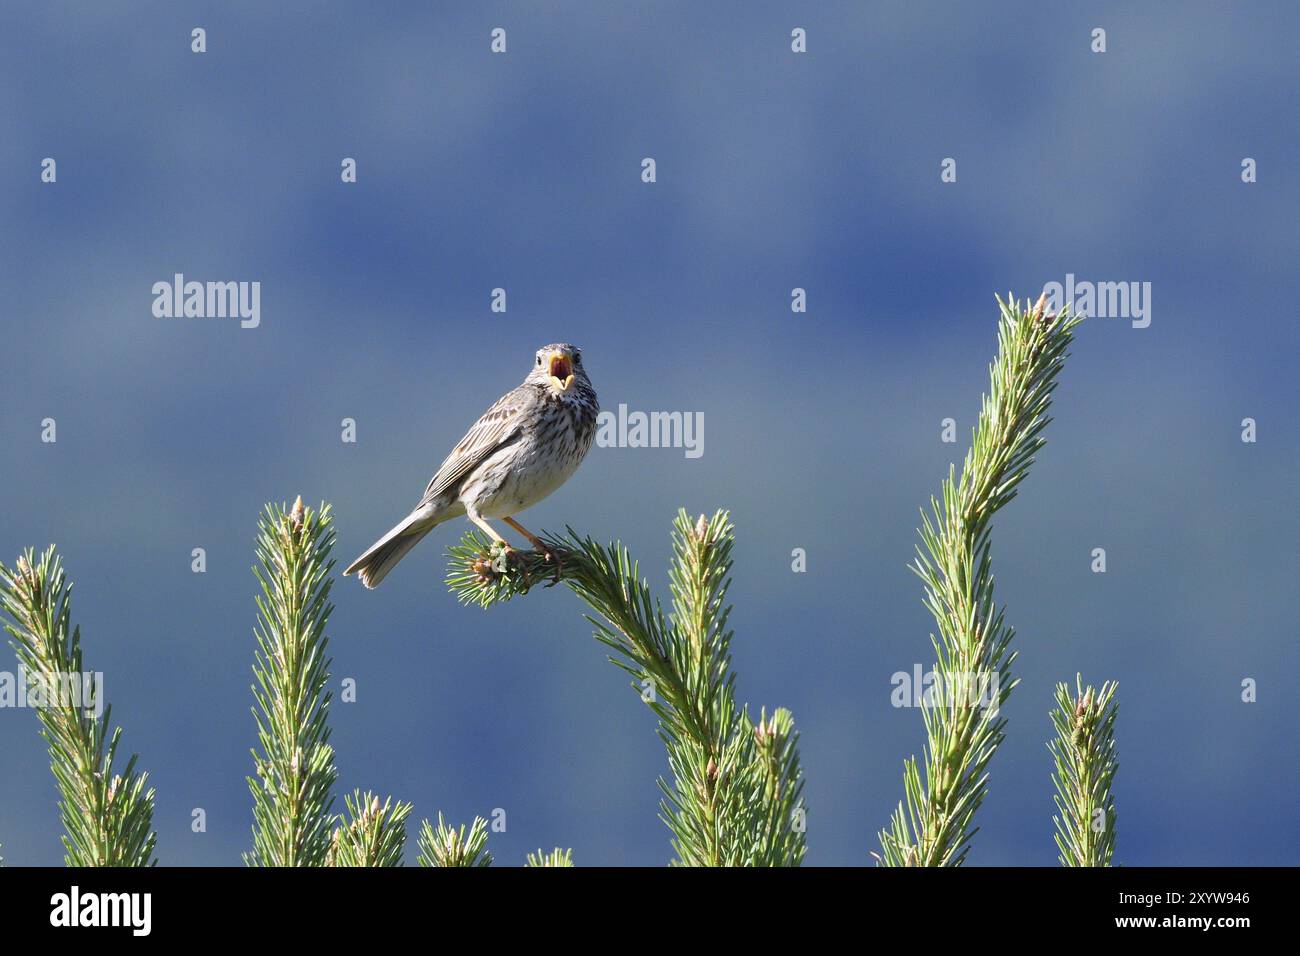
(520, 450)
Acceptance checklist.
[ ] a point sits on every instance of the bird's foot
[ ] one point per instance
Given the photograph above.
(552, 557)
(511, 556)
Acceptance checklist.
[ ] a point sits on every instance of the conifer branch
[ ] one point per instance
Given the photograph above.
(933, 825)
(556, 857)
(453, 846)
(107, 817)
(734, 799)
(370, 834)
(292, 799)
(1085, 758)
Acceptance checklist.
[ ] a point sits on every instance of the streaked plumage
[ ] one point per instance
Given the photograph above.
(520, 450)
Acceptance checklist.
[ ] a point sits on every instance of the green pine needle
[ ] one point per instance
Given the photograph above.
(556, 857)
(107, 817)
(454, 846)
(1086, 761)
(735, 794)
(292, 801)
(934, 823)
(370, 834)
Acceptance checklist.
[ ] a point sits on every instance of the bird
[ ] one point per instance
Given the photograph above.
(519, 451)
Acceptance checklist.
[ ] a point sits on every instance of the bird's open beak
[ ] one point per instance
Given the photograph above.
(561, 371)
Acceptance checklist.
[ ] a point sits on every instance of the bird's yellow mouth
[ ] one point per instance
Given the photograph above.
(561, 371)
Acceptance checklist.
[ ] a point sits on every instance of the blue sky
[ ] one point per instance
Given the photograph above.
(774, 171)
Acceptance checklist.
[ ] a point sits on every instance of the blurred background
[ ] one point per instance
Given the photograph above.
(822, 430)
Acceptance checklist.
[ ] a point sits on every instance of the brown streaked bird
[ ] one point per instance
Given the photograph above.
(521, 449)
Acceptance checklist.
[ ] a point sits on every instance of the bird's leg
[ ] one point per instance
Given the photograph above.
(538, 545)
(479, 520)
(536, 541)
(509, 552)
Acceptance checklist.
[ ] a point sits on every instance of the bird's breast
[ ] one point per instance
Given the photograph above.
(552, 445)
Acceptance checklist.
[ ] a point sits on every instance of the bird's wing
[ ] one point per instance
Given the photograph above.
(496, 428)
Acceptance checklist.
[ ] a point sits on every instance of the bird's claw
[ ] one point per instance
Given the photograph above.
(552, 557)
(514, 556)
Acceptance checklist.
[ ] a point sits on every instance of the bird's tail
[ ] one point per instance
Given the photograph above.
(382, 556)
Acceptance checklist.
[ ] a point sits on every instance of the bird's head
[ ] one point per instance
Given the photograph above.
(559, 367)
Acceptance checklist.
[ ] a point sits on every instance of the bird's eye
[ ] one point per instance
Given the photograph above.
(577, 358)
(539, 360)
